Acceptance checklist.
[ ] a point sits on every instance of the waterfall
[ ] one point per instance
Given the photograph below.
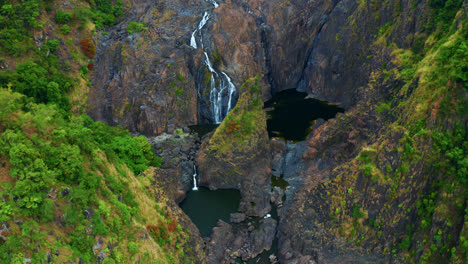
(214, 3)
(193, 41)
(232, 91)
(222, 90)
(195, 188)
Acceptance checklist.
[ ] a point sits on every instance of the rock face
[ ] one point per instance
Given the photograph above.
(240, 241)
(237, 155)
(177, 151)
(341, 57)
(340, 203)
(143, 80)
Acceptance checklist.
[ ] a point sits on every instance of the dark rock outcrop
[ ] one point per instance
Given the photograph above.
(237, 155)
(177, 151)
(230, 242)
(143, 80)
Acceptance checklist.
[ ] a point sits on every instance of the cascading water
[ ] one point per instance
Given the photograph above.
(195, 188)
(222, 90)
(193, 41)
(214, 3)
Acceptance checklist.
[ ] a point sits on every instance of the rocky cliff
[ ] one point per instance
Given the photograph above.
(237, 155)
(142, 79)
(383, 182)
(372, 192)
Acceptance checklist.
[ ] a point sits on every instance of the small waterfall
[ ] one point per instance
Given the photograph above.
(222, 90)
(232, 90)
(195, 188)
(214, 3)
(193, 41)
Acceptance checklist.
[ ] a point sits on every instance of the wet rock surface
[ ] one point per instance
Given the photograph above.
(244, 241)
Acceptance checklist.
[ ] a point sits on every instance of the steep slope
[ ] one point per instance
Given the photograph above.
(73, 190)
(386, 181)
(68, 193)
(142, 79)
(236, 156)
(392, 170)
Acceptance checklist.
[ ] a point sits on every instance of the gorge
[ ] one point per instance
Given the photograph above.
(232, 131)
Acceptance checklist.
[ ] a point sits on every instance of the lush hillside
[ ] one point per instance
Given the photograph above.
(68, 191)
(396, 163)
(71, 189)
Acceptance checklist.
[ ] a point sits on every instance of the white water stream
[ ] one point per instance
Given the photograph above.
(221, 95)
(195, 187)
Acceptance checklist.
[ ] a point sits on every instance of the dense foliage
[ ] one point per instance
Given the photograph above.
(66, 180)
(18, 17)
(44, 78)
(42, 81)
(43, 151)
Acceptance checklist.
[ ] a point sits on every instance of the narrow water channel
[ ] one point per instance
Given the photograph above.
(291, 115)
(206, 207)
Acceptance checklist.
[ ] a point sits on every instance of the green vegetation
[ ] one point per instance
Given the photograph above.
(16, 19)
(136, 27)
(443, 13)
(65, 180)
(53, 45)
(279, 182)
(413, 178)
(46, 153)
(101, 12)
(42, 82)
(65, 29)
(63, 17)
(217, 58)
(243, 122)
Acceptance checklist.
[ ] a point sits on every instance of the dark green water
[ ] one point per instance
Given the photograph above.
(203, 129)
(206, 207)
(293, 115)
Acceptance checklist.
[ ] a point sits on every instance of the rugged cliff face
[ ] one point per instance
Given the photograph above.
(237, 155)
(142, 79)
(372, 185)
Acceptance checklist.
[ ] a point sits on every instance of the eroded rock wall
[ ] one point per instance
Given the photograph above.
(143, 79)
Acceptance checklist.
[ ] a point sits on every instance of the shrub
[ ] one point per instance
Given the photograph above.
(129, 150)
(53, 44)
(5, 211)
(132, 248)
(65, 29)
(158, 233)
(63, 17)
(232, 126)
(135, 27)
(88, 48)
(405, 244)
(356, 212)
(382, 108)
(172, 227)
